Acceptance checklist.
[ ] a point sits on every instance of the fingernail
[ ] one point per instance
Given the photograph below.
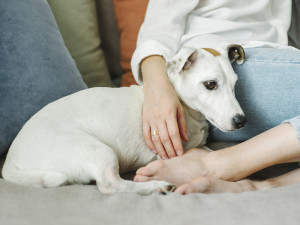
(179, 152)
(154, 151)
(164, 158)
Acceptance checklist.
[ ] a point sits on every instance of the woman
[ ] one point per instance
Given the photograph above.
(268, 90)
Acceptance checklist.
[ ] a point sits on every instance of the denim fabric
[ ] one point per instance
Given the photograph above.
(35, 66)
(268, 90)
(295, 122)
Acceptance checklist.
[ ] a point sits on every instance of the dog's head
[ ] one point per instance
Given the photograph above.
(205, 81)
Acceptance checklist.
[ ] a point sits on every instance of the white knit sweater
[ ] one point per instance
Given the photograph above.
(170, 24)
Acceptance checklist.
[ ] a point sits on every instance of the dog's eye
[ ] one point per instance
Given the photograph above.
(210, 85)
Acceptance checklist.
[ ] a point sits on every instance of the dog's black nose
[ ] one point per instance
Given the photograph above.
(239, 121)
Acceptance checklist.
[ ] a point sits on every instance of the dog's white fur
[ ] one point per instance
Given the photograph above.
(95, 134)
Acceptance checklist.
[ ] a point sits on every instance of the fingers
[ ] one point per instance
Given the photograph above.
(147, 137)
(157, 142)
(167, 143)
(175, 137)
(166, 140)
(163, 112)
(182, 124)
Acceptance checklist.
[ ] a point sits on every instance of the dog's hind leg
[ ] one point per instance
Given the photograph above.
(146, 188)
(111, 183)
(104, 168)
(35, 178)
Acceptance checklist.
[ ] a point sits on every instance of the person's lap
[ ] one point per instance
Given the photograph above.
(267, 90)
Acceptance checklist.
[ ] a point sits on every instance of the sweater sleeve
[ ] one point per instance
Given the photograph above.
(161, 31)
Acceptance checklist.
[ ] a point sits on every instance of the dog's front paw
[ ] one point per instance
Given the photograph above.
(167, 189)
(153, 186)
(163, 187)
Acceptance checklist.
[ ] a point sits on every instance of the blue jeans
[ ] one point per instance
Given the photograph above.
(268, 90)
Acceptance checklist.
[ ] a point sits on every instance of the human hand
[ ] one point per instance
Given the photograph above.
(163, 115)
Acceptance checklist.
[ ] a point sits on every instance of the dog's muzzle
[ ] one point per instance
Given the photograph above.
(239, 121)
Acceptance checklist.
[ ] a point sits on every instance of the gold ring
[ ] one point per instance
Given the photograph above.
(155, 132)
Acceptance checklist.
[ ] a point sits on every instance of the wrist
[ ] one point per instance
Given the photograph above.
(154, 70)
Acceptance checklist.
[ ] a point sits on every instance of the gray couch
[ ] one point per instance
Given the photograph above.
(84, 204)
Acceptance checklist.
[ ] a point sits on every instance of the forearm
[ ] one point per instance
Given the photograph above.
(275, 146)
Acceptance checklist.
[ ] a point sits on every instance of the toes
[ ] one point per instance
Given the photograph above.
(141, 178)
(199, 184)
(140, 171)
(151, 169)
(185, 189)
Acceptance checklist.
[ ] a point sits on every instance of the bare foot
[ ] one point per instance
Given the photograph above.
(213, 185)
(178, 170)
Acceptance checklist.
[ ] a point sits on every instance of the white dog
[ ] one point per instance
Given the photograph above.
(95, 134)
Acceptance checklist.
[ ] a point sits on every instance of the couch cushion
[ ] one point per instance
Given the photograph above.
(130, 16)
(77, 21)
(84, 204)
(110, 38)
(35, 66)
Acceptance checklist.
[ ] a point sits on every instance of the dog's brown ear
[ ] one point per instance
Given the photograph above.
(236, 54)
(182, 61)
(190, 60)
